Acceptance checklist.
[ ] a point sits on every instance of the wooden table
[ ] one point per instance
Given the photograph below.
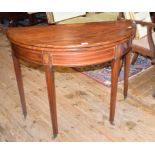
(72, 45)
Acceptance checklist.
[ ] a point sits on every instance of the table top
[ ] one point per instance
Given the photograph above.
(72, 35)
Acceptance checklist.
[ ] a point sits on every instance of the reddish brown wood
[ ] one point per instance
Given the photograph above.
(114, 80)
(145, 52)
(135, 56)
(19, 83)
(126, 73)
(51, 95)
(72, 45)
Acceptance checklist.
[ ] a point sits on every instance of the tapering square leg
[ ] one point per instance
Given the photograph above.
(114, 81)
(126, 73)
(51, 96)
(17, 69)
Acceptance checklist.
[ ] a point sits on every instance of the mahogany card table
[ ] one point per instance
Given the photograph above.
(72, 45)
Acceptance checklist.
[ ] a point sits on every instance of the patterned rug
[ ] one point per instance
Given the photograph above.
(102, 72)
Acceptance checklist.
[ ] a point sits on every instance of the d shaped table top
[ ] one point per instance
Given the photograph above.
(72, 35)
(70, 44)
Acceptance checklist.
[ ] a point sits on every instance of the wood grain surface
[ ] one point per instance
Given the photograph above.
(72, 35)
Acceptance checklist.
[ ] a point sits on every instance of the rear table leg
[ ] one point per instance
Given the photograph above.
(135, 56)
(126, 73)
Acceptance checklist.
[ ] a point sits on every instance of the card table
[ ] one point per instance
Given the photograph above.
(72, 45)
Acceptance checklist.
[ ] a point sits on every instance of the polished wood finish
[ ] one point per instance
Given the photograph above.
(114, 80)
(73, 45)
(19, 83)
(126, 69)
(134, 59)
(51, 95)
(126, 73)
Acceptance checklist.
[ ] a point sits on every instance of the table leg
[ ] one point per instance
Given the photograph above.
(20, 84)
(51, 96)
(135, 56)
(121, 64)
(126, 73)
(114, 81)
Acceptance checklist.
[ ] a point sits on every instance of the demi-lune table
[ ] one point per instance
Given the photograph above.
(72, 45)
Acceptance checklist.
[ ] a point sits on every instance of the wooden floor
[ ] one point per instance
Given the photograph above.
(82, 106)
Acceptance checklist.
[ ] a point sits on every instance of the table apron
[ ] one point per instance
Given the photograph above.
(81, 57)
